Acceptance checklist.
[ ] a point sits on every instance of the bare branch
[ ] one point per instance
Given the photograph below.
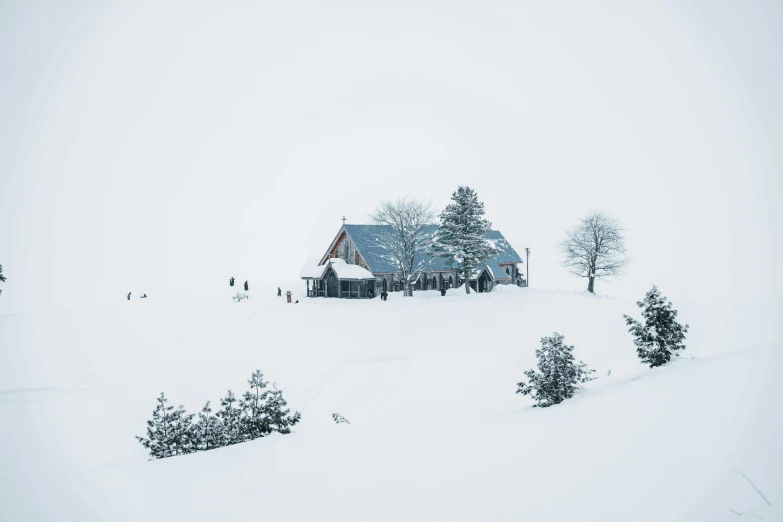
(404, 235)
(595, 248)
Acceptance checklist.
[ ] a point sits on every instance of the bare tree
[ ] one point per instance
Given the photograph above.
(595, 248)
(404, 236)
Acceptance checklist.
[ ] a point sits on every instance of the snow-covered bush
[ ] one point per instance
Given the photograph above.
(230, 418)
(238, 297)
(206, 433)
(558, 376)
(339, 419)
(258, 413)
(169, 431)
(661, 336)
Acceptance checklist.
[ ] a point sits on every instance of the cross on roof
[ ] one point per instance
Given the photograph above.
(343, 218)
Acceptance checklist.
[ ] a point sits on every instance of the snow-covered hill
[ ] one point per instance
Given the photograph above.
(428, 384)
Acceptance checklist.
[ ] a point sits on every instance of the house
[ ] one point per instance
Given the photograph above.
(354, 266)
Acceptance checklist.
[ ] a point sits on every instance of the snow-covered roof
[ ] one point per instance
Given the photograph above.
(343, 270)
(498, 272)
(477, 272)
(365, 239)
(313, 271)
(495, 271)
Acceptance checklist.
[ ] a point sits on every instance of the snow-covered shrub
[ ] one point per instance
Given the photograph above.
(277, 415)
(230, 417)
(661, 336)
(238, 297)
(169, 431)
(339, 419)
(206, 433)
(258, 413)
(558, 376)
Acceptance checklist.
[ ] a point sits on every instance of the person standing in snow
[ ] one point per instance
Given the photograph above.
(442, 291)
(129, 296)
(384, 295)
(245, 286)
(278, 292)
(231, 281)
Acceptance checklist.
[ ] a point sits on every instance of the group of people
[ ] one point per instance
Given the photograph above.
(231, 283)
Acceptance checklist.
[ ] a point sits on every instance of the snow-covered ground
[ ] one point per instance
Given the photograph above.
(428, 384)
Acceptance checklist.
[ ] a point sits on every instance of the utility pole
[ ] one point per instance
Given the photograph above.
(527, 267)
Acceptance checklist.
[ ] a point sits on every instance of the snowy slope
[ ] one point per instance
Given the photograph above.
(436, 433)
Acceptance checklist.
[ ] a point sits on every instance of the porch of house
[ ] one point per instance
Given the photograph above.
(345, 289)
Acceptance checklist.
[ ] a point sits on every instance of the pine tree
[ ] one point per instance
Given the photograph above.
(255, 424)
(661, 336)
(558, 376)
(277, 414)
(230, 416)
(460, 237)
(207, 433)
(169, 431)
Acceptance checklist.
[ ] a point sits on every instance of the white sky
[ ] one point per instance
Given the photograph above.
(173, 145)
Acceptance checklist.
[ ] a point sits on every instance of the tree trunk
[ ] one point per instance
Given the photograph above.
(591, 284)
(467, 283)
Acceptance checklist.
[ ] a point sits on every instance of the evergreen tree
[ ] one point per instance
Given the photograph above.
(207, 433)
(661, 336)
(2, 277)
(277, 414)
(558, 375)
(169, 431)
(230, 416)
(460, 237)
(255, 423)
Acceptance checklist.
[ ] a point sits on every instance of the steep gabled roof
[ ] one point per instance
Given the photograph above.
(507, 253)
(365, 240)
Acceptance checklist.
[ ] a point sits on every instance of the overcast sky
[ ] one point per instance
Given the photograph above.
(175, 144)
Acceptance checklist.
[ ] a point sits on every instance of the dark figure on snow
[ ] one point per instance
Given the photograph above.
(278, 292)
(129, 296)
(144, 296)
(231, 282)
(245, 286)
(297, 301)
(442, 291)
(384, 295)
